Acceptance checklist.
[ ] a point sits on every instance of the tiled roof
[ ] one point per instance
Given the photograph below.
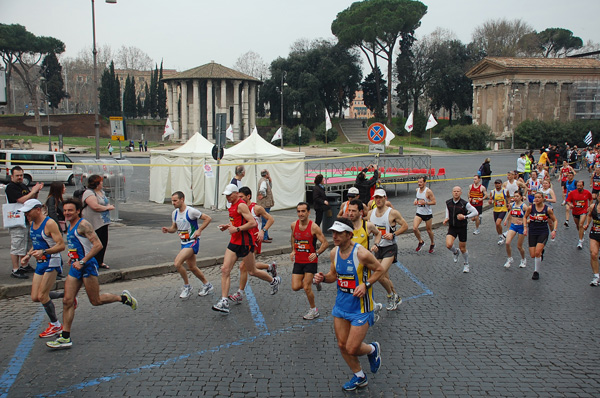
(211, 71)
(497, 65)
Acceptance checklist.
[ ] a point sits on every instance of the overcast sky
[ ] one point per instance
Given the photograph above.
(189, 33)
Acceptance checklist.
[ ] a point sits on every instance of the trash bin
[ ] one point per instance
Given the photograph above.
(401, 150)
(335, 201)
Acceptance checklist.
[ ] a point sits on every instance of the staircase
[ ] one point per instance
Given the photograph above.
(354, 131)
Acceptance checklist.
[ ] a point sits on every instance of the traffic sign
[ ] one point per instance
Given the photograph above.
(376, 133)
(116, 128)
(376, 148)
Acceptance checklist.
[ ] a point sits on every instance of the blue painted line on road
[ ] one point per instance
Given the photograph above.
(426, 290)
(21, 353)
(259, 319)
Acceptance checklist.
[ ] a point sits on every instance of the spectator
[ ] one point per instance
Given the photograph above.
(145, 145)
(141, 144)
(521, 164)
(364, 185)
(97, 212)
(485, 171)
(110, 150)
(54, 204)
(319, 199)
(240, 173)
(265, 198)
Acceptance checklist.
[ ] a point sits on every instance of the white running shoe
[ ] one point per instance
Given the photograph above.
(580, 245)
(595, 281)
(456, 254)
(476, 232)
(221, 306)
(508, 262)
(186, 292)
(275, 284)
(466, 268)
(377, 307)
(208, 288)
(500, 240)
(311, 314)
(523, 263)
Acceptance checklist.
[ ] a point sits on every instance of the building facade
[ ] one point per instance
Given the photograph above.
(358, 109)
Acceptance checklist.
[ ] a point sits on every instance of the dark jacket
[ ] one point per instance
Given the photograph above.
(319, 198)
(364, 186)
(486, 171)
(55, 210)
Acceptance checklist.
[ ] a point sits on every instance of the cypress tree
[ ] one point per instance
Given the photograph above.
(162, 95)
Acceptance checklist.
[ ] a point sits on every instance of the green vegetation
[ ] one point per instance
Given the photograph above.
(535, 133)
(88, 143)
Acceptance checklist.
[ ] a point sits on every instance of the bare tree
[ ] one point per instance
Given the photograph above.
(253, 65)
(133, 58)
(500, 38)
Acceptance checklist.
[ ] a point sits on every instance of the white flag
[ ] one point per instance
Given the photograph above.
(277, 135)
(431, 123)
(389, 136)
(409, 123)
(168, 130)
(327, 121)
(588, 138)
(229, 133)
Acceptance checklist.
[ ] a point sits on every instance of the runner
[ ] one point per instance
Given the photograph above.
(352, 194)
(570, 186)
(536, 228)
(500, 198)
(595, 182)
(424, 200)
(564, 172)
(512, 184)
(391, 224)
(548, 192)
(458, 212)
(579, 200)
(241, 245)
(533, 185)
(355, 270)
(47, 244)
(83, 245)
(593, 219)
(185, 223)
(477, 194)
(305, 255)
(515, 217)
(259, 213)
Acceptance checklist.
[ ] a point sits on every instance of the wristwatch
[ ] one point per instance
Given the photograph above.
(368, 284)
(238, 229)
(264, 230)
(44, 252)
(81, 262)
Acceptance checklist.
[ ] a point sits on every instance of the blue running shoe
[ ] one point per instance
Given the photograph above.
(356, 382)
(375, 358)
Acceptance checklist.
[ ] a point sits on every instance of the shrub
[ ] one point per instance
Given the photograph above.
(535, 133)
(319, 132)
(290, 136)
(467, 137)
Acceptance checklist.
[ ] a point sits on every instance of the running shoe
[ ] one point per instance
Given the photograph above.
(535, 276)
(508, 262)
(236, 298)
(466, 268)
(566, 224)
(563, 203)
(221, 306)
(273, 270)
(377, 307)
(375, 358)
(186, 292)
(456, 254)
(523, 263)
(51, 331)
(393, 301)
(418, 249)
(398, 300)
(500, 240)
(356, 382)
(129, 300)
(208, 288)
(19, 274)
(311, 314)
(431, 248)
(59, 343)
(275, 284)
(594, 282)
(580, 245)
(476, 232)
(27, 268)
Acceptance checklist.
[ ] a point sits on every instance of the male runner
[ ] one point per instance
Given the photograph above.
(458, 212)
(355, 270)
(47, 244)
(352, 194)
(579, 200)
(259, 213)
(241, 245)
(570, 186)
(500, 198)
(513, 185)
(595, 182)
(477, 194)
(185, 223)
(305, 255)
(391, 224)
(83, 244)
(424, 200)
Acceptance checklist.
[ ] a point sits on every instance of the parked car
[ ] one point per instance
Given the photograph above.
(38, 166)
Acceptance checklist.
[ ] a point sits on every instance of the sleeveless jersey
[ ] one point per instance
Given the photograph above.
(511, 188)
(533, 186)
(423, 209)
(361, 235)
(570, 186)
(351, 274)
(538, 221)
(78, 245)
(516, 211)
(595, 226)
(242, 238)
(345, 208)
(258, 220)
(499, 200)
(304, 244)
(187, 223)
(383, 224)
(41, 241)
(476, 195)
(595, 182)
(564, 171)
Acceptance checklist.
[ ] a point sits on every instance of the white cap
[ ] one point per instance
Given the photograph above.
(353, 191)
(340, 227)
(380, 192)
(229, 189)
(30, 205)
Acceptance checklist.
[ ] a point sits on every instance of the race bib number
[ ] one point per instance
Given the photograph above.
(346, 283)
(42, 259)
(184, 235)
(73, 255)
(516, 213)
(580, 204)
(500, 203)
(475, 201)
(596, 227)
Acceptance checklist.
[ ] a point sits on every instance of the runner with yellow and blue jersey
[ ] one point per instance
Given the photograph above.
(500, 198)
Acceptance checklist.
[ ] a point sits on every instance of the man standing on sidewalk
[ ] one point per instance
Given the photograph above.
(265, 198)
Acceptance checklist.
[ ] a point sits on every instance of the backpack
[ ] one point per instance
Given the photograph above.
(480, 171)
(78, 194)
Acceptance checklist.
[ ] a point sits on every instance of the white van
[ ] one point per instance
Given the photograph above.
(58, 166)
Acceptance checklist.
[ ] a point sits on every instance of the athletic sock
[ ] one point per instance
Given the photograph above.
(56, 295)
(49, 307)
(123, 299)
(538, 262)
(65, 334)
(466, 256)
(597, 275)
(241, 291)
(372, 348)
(360, 374)
(57, 323)
(269, 268)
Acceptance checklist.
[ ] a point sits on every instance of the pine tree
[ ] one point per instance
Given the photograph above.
(162, 95)
(146, 108)
(139, 107)
(54, 85)
(153, 100)
(129, 104)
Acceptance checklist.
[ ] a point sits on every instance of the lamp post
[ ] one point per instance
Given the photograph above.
(47, 110)
(281, 90)
(95, 92)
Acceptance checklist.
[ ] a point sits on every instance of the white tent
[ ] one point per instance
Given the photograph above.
(181, 169)
(286, 170)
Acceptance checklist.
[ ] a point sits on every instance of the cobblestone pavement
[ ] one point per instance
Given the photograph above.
(491, 332)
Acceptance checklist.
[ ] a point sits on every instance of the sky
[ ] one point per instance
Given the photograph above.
(190, 33)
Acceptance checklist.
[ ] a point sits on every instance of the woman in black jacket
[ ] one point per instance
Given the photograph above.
(364, 185)
(486, 173)
(319, 199)
(54, 204)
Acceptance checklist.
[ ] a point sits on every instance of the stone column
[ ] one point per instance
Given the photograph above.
(224, 108)
(209, 109)
(170, 100)
(237, 110)
(184, 111)
(252, 109)
(196, 104)
(175, 120)
(245, 109)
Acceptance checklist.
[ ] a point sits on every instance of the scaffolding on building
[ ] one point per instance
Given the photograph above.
(585, 99)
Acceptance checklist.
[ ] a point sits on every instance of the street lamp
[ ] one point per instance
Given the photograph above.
(281, 90)
(95, 94)
(47, 110)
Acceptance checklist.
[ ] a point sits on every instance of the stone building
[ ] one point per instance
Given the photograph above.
(195, 96)
(507, 91)
(358, 109)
